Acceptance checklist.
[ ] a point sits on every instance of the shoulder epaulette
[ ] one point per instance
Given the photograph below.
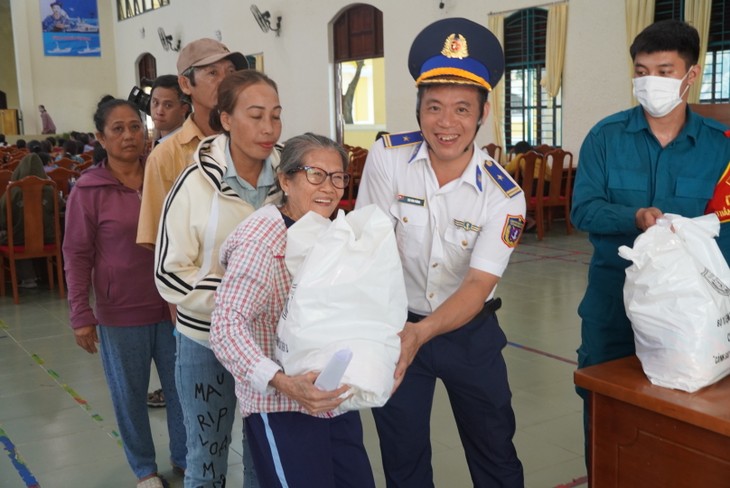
(402, 139)
(715, 124)
(501, 178)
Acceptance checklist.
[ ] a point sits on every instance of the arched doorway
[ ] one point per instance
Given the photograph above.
(146, 74)
(146, 70)
(359, 75)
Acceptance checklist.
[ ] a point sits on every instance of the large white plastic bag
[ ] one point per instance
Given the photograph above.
(347, 291)
(678, 301)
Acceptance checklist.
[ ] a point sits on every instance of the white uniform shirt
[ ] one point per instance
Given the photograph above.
(474, 221)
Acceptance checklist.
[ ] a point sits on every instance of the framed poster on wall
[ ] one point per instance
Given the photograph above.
(70, 28)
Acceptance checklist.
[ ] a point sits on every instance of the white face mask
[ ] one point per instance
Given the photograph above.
(658, 95)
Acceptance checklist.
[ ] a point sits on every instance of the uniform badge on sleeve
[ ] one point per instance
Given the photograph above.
(512, 230)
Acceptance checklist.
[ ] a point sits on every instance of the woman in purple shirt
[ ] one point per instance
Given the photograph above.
(129, 322)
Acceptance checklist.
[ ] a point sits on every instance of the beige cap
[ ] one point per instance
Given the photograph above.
(203, 52)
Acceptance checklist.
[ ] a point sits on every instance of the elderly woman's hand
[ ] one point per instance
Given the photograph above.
(86, 338)
(301, 389)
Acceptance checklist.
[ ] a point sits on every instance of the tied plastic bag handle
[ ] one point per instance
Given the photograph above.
(661, 232)
(693, 233)
(664, 222)
(361, 229)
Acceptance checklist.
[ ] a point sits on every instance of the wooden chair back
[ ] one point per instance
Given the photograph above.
(547, 181)
(61, 177)
(82, 166)
(494, 151)
(5, 176)
(34, 243)
(67, 163)
(12, 164)
(543, 148)
(529, 167)
(358, 155)
(558, 171)
(357, 163)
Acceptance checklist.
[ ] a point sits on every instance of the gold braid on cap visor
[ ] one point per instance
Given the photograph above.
(468, 77)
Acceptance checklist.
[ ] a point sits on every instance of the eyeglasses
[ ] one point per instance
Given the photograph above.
(316, 176)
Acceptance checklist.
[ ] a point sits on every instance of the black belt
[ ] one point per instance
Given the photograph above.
(490, 306)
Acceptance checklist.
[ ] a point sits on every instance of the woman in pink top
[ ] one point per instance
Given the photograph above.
(129, 322)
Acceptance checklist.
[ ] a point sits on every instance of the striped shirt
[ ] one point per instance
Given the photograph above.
(248, 304)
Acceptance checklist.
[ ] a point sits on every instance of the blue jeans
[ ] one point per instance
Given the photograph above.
(126, 354)
(208, 399)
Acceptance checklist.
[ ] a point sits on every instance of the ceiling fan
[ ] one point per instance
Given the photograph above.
(167, 41)
(264, 20)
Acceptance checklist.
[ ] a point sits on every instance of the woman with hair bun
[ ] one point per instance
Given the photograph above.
(230, 177)
(297, 437)
(129, 324)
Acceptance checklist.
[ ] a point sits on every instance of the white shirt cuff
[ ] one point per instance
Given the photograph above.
(262, 374)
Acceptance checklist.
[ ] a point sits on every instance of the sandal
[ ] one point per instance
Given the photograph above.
(156, 399)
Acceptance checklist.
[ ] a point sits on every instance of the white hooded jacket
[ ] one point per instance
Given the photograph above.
(197, 216)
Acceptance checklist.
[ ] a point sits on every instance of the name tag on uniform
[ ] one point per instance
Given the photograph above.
(411, 200)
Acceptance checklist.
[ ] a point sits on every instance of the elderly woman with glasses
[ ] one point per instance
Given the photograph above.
(296, 439)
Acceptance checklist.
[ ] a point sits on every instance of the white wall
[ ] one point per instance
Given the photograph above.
(8, 77)
(69, 87)
(596, 78)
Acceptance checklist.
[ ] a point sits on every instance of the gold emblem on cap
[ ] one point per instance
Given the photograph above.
(455, 47)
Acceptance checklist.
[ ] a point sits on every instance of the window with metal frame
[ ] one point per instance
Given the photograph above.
(132, 8)
(530, 113)
(668, 10)
(716, 75)
(716, 66)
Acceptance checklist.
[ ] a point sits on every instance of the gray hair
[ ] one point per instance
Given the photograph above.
(297, 148)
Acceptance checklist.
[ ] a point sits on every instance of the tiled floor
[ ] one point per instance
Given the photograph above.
(57, 425)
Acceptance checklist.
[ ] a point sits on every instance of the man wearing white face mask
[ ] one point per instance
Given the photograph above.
(634, 166)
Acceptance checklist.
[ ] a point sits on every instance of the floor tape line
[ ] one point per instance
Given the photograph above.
(70, 391)
(18, 462)
(583, 480)
(543, 353)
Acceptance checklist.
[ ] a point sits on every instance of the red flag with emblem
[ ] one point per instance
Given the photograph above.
(720, 201)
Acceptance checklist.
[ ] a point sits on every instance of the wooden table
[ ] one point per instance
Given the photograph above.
(649, 436)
